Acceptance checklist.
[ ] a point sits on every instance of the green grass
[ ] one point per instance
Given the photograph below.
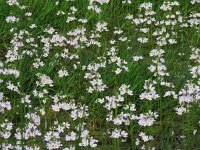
(74, 86)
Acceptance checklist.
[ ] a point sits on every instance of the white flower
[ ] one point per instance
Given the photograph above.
(136, 58)
(12, 19)
(12, 2)
(50, 30)
(44, 80)
(145, 137)
(180, 110)
(28, 14)
(118, 71)
(142, 39)
(63, 73)
(32, 26)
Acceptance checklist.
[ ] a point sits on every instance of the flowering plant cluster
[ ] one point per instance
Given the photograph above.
(99, 74)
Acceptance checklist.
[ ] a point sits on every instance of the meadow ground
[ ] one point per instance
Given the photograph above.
(99, 74)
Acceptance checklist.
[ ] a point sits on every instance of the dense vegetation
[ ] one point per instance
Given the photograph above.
(99, 74)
